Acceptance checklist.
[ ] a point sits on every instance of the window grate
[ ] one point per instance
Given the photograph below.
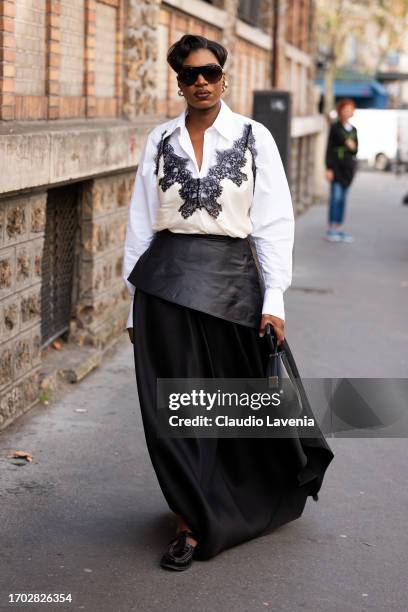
(58, 261)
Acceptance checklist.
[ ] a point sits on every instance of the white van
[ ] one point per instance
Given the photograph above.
(382, 136)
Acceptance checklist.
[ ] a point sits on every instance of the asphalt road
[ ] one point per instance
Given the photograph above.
(87, 517)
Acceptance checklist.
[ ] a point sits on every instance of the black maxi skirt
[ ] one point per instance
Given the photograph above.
(229, 490)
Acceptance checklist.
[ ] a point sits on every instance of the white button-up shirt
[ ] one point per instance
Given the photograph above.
(242, 192)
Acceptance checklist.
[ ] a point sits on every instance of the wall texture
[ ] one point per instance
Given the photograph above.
(82, 82)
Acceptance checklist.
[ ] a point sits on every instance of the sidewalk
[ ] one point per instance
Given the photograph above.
(87, 516)
(346, 311)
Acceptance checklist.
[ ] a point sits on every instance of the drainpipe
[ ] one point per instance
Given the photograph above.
(275, 47)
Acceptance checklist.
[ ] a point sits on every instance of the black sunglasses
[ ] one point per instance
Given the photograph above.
(211, 72)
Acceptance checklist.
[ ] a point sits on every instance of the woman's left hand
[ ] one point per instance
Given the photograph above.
(350, 143)
(278, 326)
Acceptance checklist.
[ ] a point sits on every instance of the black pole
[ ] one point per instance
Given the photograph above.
(275, 28)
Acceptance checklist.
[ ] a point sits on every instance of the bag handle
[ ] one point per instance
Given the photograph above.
(274, 366)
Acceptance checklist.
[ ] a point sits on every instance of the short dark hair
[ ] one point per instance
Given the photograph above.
(191, 42)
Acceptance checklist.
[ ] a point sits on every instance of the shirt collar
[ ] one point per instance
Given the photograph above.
(223, 123)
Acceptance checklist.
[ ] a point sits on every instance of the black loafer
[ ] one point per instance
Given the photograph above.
(179, 555)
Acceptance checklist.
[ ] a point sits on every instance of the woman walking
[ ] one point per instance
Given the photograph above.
(210, 184)
(341, 154)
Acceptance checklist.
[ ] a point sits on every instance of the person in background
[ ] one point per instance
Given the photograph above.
(342, 146)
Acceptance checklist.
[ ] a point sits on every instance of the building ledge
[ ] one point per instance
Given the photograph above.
(51, 153)
(45, 153)
(306, 126)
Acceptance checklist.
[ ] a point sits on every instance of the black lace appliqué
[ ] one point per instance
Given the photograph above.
(159, 152)
(198, 193)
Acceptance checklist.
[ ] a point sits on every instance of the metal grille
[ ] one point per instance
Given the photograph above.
(58, 261)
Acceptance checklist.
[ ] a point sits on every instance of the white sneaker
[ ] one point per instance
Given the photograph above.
(333, 236)
(346, 237)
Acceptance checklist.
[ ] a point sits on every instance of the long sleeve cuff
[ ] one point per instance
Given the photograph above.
(129, 322)
(273, 303)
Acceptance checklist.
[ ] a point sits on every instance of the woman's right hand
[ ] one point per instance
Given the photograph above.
(329, 175)
(130, 332)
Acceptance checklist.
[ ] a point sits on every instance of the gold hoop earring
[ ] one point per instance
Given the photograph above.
(180, 93)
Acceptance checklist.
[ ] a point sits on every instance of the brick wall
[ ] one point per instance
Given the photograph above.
(105, 50)
(30, 47)
(69, 57)
(253, 72)
(72, 47)
(60, 58)
(298, 23)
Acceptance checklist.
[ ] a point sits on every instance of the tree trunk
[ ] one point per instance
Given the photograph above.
(329, 78)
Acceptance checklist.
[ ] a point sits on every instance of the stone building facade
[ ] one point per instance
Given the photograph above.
(81, 84)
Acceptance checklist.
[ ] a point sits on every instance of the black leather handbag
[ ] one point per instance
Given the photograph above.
(277, 365)
(294, 404)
